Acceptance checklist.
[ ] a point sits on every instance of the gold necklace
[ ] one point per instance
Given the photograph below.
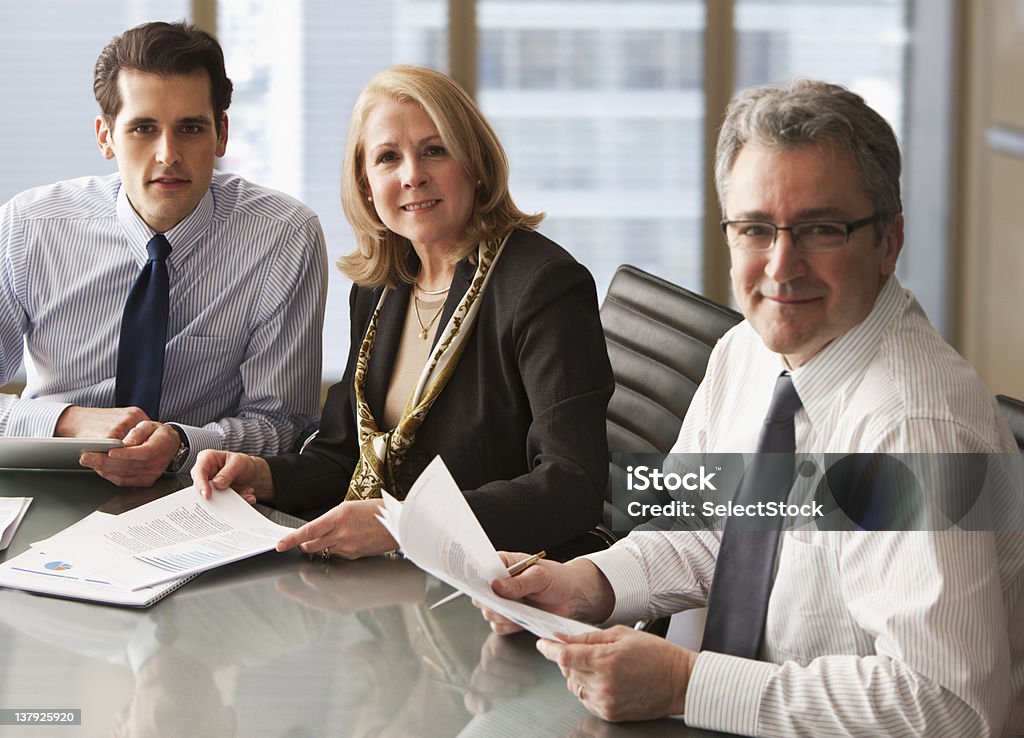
(431, 293)
(424, 329)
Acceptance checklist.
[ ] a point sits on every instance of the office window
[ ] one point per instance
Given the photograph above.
(47, 53)
(861, 44)
(630, 132)
(540, 59)
(601, 113)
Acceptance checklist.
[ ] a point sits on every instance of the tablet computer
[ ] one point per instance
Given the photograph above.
(49, 453)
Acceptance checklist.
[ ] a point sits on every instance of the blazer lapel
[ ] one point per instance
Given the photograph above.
(463, 277)
(385, 348)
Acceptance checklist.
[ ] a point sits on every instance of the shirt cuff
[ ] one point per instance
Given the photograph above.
(35, 418)
(724, 692)
(198, 439)
(629, 583)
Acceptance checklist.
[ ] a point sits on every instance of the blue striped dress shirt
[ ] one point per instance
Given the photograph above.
(248, 275)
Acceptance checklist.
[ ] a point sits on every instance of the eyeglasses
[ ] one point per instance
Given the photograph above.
(818, 235)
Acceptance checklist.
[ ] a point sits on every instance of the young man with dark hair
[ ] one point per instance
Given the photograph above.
(169, 306)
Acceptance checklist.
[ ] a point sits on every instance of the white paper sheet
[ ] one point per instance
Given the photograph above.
(168, 538)
(437, 531)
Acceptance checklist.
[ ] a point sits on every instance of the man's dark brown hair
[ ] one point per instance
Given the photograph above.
(165, 49)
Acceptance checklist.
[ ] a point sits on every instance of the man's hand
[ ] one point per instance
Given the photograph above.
(148, 449)
(350, 530)
(98, 422)
(575, 590)
(622, 674)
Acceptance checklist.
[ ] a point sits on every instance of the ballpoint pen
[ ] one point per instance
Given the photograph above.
(517, 568)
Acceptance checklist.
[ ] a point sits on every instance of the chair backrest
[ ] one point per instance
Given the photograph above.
(1013, 411)
(659, 339)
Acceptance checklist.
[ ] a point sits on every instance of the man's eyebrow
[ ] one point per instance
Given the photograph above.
(750, 215)
(195, 120)
(138, 121)
(189, 120)
(802, 216)
(825, 213)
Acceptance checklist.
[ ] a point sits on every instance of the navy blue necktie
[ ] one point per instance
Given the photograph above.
(744, 572)
(140, 353)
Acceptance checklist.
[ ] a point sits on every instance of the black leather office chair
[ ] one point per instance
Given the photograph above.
(659, 338)
(1013, 411)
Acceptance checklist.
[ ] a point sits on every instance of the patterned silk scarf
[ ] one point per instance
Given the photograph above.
(381, 453)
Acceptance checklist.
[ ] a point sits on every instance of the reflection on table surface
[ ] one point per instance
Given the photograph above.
(279, 645)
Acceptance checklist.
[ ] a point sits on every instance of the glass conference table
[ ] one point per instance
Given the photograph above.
(278, 645)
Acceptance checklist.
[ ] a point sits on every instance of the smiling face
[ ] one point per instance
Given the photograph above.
(166, 141)
(799, 303)
(419, 191)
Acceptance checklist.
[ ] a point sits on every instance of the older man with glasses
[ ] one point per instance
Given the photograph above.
(811, 631)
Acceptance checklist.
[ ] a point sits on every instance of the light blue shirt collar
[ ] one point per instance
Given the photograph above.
(182, 237)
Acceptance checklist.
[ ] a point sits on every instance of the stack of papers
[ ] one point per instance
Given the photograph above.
(438, 532)
(12, 510)
(141, 555)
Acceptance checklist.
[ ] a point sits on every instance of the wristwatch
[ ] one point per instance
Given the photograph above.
(178, 460)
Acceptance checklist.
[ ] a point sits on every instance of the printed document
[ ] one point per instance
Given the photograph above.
(37, 571)
(168, 538)
(437, 531)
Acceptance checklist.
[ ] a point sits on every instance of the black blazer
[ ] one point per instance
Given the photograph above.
(521, 422)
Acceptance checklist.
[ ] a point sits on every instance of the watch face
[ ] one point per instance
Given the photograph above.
(179, 458)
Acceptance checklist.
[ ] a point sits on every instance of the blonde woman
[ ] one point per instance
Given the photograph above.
(473, 337)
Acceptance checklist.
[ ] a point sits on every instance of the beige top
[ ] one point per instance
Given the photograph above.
(413, 352)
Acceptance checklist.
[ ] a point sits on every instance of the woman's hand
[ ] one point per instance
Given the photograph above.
(248, 475)
(349, 530)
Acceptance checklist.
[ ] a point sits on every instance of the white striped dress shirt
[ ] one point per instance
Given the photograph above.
(868, 633)
(247, 288)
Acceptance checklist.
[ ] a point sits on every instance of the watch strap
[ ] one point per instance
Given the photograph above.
(181, 455)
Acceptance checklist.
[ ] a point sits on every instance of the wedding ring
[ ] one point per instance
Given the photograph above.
(325, 554)
(579, 692)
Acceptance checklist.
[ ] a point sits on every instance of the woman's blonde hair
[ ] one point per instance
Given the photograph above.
(380, 254)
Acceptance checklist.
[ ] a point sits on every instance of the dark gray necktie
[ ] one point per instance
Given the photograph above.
(140, 353)
(738, 600)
